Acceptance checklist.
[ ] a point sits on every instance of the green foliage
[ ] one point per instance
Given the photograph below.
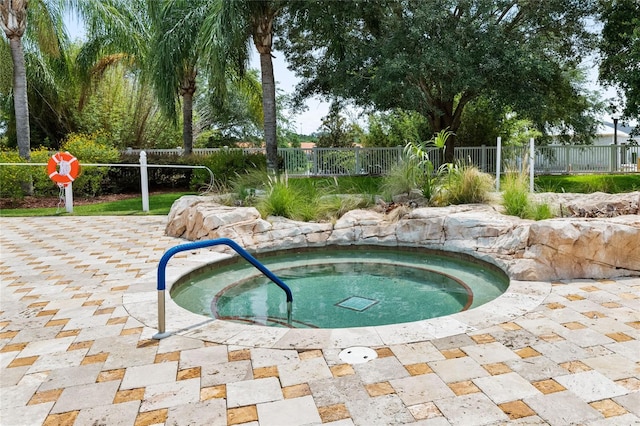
(515, 194)
(589, 183)
(284, 200)
(124, 107)
(518, 132)
(332, 207)
(481, 123)
(12, 176)
(127, 179)
(516, 198)
(90, 148)
(620, 49)
(159, 204)
(294, 161)
(403, 178)
(86, 148)
(465, 185)
(395, 128)
(541, 211)
(335, 132)
(337, 161)
(303, 198)
(419, 166)
(226, 165)
(434, 58)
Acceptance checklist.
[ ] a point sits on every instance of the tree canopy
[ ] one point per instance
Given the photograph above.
(620, 50)
(434, 57)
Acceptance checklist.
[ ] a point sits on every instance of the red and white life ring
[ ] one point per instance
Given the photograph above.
(69, 167)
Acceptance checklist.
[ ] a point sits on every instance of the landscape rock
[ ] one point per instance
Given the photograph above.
(597, 204)
(563, 248)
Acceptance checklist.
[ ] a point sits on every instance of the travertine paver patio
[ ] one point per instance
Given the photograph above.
(70, 353)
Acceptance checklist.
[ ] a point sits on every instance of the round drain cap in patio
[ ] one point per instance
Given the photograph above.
(358, 355)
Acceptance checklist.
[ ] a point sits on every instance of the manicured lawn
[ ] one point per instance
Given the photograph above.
(589, 183)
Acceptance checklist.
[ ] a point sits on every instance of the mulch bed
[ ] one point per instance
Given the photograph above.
(49, 202)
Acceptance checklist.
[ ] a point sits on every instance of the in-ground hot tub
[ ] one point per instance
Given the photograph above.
(342, 287)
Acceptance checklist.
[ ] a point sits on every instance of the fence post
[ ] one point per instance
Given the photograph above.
(68, 197)
(483, 158)
(531, 163)
(358, 170)
(144, 181)
(498, 161)
(314, 160)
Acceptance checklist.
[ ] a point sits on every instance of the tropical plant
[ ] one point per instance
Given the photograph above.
(418, 153)
(232, 117)
(173, 63)
(123, 105)
(13, 21)
(228, 27)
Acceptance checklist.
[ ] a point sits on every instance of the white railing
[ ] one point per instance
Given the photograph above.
(338, 161)
(379, 161)
(195, 151)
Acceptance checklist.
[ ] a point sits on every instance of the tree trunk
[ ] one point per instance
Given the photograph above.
(450, 148)
(263, 40)
(269, 110)
(187, 122)
(20, 103)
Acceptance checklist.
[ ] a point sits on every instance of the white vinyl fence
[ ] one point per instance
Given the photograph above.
(566, 159)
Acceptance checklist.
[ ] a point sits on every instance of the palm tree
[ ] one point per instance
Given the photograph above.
(173, 64)
(227, 30)
(13, 21)
(47, 36)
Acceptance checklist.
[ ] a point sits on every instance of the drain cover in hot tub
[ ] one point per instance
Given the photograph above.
(357, 303)
(358, 355)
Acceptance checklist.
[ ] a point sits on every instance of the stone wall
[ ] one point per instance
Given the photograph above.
(564, 248)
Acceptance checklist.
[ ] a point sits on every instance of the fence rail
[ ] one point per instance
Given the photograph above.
(567, 159)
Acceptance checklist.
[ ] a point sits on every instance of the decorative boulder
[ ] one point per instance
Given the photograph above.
(545, 250)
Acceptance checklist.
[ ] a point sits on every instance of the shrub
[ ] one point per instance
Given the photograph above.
(283, 200)
(517, 201)
(540, 211)
(402, 178)
(11, 177)
(227, 164)
(127, 179)
(465, 185)
(93, 148)
(515, 194)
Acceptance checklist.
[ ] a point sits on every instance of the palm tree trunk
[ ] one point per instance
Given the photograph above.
(20, 103)
(187, 122)
(269, 110)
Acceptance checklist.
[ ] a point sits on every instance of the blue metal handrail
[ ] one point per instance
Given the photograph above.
(162, 268)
